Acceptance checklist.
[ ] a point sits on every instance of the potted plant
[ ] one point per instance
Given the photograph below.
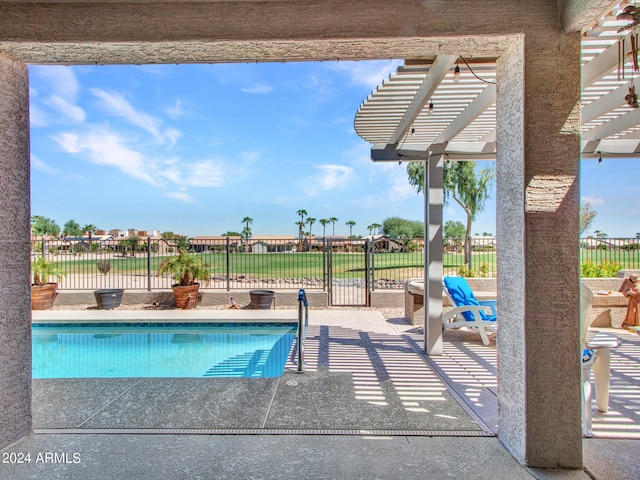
(107, 298)
(43, 292)
(186, 269)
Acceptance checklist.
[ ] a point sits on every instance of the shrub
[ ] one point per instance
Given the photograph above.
(606, 269)
(483, 271)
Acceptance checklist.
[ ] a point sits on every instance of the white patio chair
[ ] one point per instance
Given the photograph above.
(596, 357)
(468, 311)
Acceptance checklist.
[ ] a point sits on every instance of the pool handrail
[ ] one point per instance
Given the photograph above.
(303, 304)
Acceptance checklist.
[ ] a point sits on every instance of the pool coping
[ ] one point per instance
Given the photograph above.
(164, 316)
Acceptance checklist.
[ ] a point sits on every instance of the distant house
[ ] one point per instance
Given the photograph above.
(74, 243)
(205, 243)
(383, 243)
(272, 243)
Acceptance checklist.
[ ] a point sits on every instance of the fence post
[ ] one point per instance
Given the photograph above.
(367, 276)
(324, 264)
(228, 265)
(148, 263)
(42, 246)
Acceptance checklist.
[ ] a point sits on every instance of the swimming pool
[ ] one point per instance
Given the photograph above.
(116, 350)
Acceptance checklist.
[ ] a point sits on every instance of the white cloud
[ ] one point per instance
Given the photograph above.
(369, 73)
(180, 196)
(175, 110)
(207, 173)
(172, 134)
(104, 147)
(258, 89)
(58, 93)
(331, 177)
(62, 81)
(115, 104)
(593, 200)
(67, 109)
(40, 165)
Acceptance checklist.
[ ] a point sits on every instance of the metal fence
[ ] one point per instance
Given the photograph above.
(378, 263)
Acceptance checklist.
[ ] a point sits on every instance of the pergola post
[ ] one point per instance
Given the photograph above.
(15, 289)
(433, 201)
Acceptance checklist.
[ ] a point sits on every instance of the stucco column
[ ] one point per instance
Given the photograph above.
(434, 196)
(538, 156)
(15, 290)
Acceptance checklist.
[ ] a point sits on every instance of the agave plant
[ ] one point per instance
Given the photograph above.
(185, 268)
(42, 269)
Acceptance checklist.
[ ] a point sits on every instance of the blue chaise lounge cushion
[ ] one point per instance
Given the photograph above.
(462, 295)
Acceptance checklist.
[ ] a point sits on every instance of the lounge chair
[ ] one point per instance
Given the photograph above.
(468, 311)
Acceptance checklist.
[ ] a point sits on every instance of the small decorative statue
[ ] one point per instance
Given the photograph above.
(631, 98)
(631, 289)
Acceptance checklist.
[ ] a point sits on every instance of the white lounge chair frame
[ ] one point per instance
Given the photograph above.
(599, 362)
(454, 319)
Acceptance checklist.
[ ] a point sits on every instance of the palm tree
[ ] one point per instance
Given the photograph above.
(370, 228)
(324, 222)
(246, 232)
(300, 224)
(333, 221)
(351, 224)
(310, 221)
(90, 229)
(376, 227)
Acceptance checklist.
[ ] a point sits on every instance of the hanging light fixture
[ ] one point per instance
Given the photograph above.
(599, 158)
(430, 110)
(456, 73)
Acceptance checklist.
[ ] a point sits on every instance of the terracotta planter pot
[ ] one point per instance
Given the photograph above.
(42, 296)
(186, 297)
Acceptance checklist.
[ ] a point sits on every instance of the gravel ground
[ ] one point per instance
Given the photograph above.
(388, 313)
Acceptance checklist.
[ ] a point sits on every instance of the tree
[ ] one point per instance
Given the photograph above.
(453, 229)
(247, 221)
(370, 228)
(231, 233)
(246, 231)
(470, 189)
(333, 221)
(324, 222)
(132, 242)
(454, 233)
(376, 228)
(301, 224)
(310, 221)
(168, 235)
(183, 242)
(400, 228)
(44, 226)
(350, 224)
(72, 229)
(90, 229)
(586, 217)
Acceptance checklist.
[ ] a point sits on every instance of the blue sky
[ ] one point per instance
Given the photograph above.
(194, 149)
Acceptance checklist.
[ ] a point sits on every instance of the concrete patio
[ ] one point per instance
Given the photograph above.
(369, 405)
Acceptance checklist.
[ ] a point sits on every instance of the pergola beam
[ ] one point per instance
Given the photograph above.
(475, 108)
(439, 69)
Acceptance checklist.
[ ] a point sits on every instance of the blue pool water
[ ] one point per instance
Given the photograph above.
(160, 350)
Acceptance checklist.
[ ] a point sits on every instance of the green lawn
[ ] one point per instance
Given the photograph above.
(395, 266)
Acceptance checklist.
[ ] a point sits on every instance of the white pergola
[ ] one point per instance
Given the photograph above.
(443, 108)
(397, 119)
